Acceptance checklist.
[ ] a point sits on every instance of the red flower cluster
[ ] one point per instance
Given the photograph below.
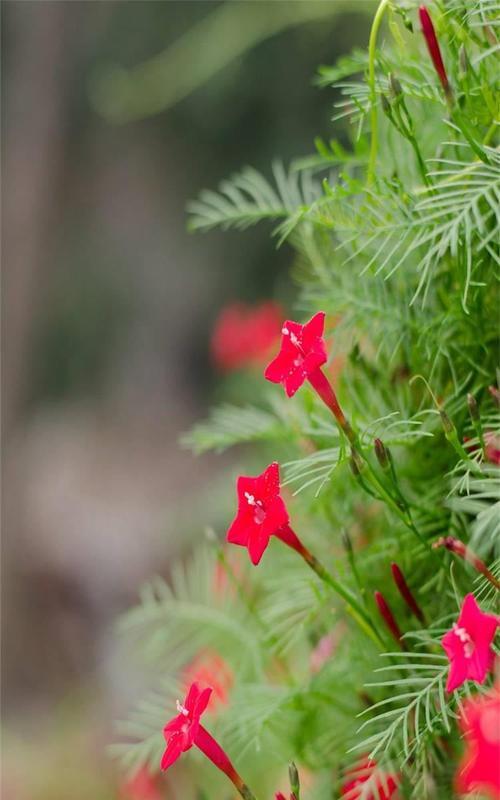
(243, 335)
(262, 513)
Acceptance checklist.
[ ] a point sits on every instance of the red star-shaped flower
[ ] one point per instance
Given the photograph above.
(468, 644)
(385, 785)
(261, 512)
(185, 730)
(302, 353)
(180, 733)
(479, 770)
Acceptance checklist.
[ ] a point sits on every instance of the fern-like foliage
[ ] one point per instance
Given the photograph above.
(404, 261)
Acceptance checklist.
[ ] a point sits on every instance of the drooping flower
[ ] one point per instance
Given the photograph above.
(383, 786)
(302, 352)
(468, 644)
(433, 47)
(479, 769)
(210, 668)
(141, 786)
(243, 335)
(261, 512)
(185, 730)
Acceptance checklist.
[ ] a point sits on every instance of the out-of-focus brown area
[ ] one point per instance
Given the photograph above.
(107, 310)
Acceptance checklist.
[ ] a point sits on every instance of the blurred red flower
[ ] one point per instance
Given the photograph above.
(479, 770)
(142, 786)
(210, 668)
(385, 785)
(491, 447)
(244, 335)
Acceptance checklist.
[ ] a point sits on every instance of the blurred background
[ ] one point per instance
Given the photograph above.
(115, 115)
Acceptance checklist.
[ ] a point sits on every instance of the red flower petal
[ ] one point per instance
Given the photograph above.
(172, 752)
(256, 546)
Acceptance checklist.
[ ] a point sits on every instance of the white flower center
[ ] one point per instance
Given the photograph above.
(181, 709)
(293, 338)
(466, 640)
(259, 514)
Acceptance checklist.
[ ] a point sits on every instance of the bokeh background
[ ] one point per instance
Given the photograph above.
(115, 115)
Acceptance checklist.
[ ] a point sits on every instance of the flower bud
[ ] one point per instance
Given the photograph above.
(382, 454)
(356, 463)
(463, 60)
(405, 592)
(386, 106)
(434, 49)
(293, 777)
(460, 549)
(473, 409)
(447, 423)
(346, 541)
(388, 617)
(396, 88)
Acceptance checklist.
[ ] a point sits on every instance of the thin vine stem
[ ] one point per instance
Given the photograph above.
(372, 47)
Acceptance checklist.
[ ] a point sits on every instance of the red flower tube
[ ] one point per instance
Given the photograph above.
(185, 730)
(389, 619)
(405, 592)
(433, 47)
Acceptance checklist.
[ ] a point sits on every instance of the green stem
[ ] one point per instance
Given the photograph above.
(355, 609)
(372, 47)
(490, 132)
(252, 610)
